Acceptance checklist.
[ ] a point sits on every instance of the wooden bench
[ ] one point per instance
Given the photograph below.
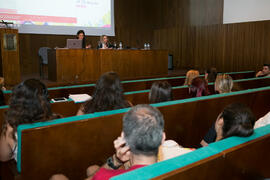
(132, 85)
(70, 108)
(232, 158)
(71, 144)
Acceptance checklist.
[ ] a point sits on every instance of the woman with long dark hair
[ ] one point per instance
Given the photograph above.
(29, 103)
(81, 35)
(235, 120)
(108, 95)
(161, 91)
(210, 75)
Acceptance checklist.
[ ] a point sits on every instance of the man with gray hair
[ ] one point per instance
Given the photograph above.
(143, 133)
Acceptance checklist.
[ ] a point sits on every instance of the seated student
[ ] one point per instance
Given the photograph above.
(29, 103)
(210, 74)
(265, 71)
(2, 84)
(191, 74)
(263, 121)
(235, 120)
(161, 91)
(223, 83)
(104, 43)
(108, 95)
(81, 35)
(198, 87)
(2, 98)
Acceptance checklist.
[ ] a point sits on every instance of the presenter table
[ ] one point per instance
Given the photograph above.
(70, 65)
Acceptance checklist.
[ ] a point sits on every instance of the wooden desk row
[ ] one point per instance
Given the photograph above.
(70, 145)
(233, 158)
(67, 109)
(128, 86)
(71, 65)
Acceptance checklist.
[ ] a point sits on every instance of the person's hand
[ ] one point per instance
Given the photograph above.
(218, 127)
(260, 73)
(88, 46)
(7, 144)
(122, 150)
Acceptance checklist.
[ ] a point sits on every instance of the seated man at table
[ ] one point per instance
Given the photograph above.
(139, 142)
(265, 71)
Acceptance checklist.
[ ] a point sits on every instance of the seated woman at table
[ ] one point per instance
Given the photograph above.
(108, 95)
(104, 43)
(81, 35)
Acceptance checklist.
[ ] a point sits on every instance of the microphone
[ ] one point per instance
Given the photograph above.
(6, 23)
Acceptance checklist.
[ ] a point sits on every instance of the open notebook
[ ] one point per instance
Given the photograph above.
(77, 98)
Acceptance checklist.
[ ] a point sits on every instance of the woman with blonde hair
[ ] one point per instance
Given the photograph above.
(191, 74)
(104, 43)
(223, 83)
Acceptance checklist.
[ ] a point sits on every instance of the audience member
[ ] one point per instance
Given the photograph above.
(265, 71)
(198, 87)
(211, 74)
(2, 84)
(141, 137)
(191, 74)
(2, 98)
(108, 95)
(29, 103)
(161, 91)
(139, 142)
(223, 83)
(235, 120)
(81, 35)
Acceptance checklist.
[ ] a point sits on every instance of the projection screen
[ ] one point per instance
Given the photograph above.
(95, 17)
(237, 11)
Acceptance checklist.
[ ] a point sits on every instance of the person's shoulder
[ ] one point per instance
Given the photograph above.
(104, 174)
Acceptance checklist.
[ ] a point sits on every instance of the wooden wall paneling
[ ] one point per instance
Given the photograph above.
(205, 41)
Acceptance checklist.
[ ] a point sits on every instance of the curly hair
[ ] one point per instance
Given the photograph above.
(108, 95)
(29, 103)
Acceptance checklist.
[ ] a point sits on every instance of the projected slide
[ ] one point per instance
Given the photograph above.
(69, 14)
(236, 11)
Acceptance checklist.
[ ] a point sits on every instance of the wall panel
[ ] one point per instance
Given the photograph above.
(194, 33)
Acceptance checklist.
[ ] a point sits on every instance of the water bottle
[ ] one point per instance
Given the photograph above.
(120, 45)
(145, 46)
(148, 46)
(115, 45)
